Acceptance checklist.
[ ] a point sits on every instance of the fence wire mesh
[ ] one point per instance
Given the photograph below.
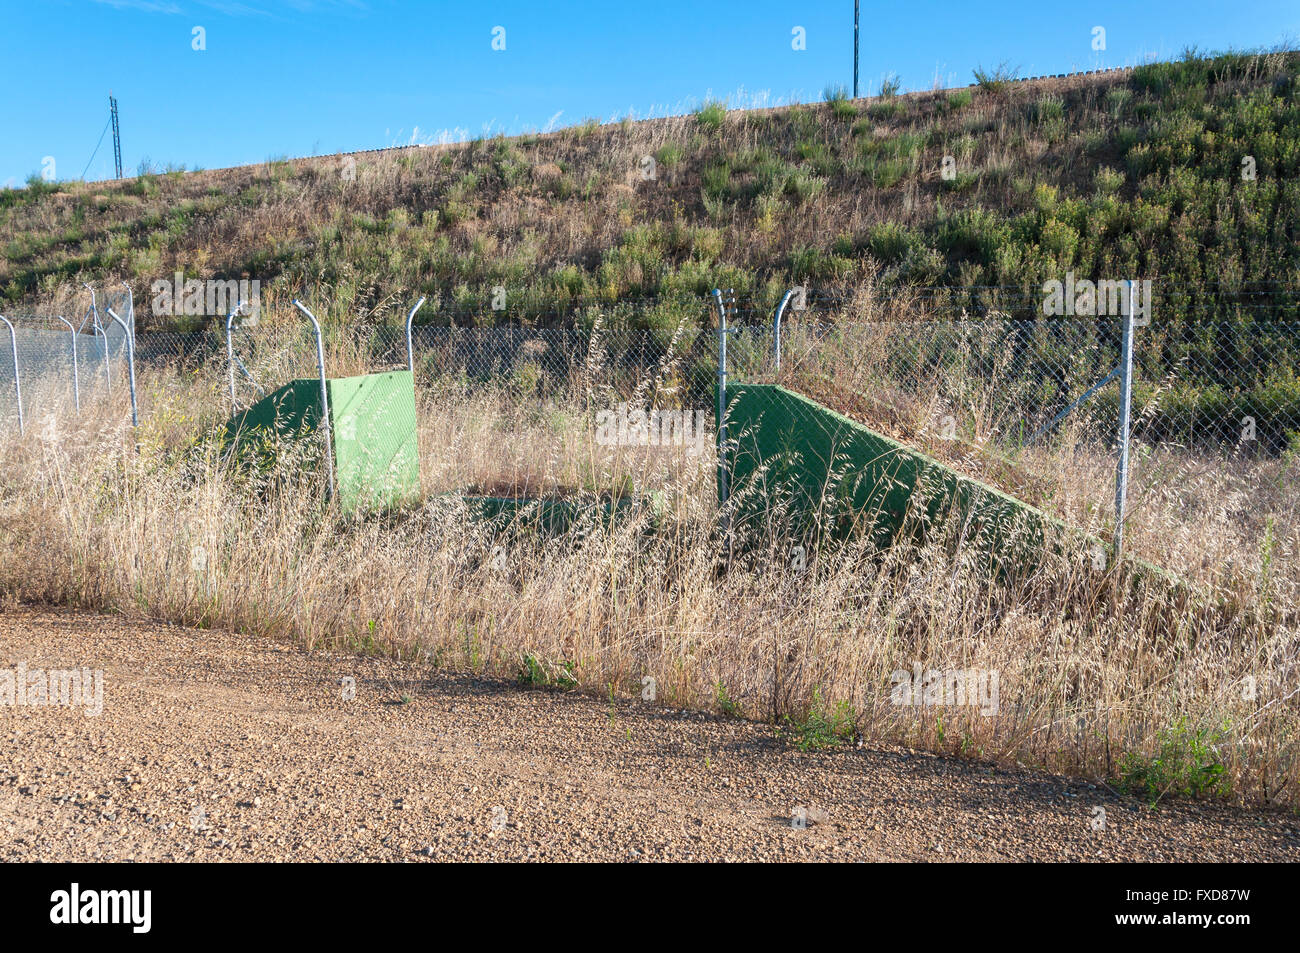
(979, 379)
(1030, 405)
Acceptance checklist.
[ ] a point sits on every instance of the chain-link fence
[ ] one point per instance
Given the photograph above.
(546, 361)
(56, 369)
(1031, 404)
(980, 379)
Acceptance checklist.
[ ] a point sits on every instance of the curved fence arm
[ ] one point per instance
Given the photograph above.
(230, 351)
(76, 382)
(234, 361)
(722, 303)
(18, 390)
(108, 377)
(130, 307)
(230, 354)
(94, 309)
(776, 326)
(130, 361)
(324, 391)
(410, 348)
(96, 328)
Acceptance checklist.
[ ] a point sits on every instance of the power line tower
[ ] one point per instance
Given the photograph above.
(117, 136)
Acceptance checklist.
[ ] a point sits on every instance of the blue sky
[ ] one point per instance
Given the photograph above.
(300, 77)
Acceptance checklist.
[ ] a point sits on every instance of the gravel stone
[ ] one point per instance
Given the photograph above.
(218, 746)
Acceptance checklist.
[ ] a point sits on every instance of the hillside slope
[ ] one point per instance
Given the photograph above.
(1186, 172)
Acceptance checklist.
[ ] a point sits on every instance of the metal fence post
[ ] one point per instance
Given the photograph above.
(230, 354)
(1125, 402)
(93, 313)
(97, 328)
(723, 489)
(76, 384)
(410, 347)
(324, 392)
(18, 390)
(130, 361)
(108, 375)
(776, 327)
(232, 361)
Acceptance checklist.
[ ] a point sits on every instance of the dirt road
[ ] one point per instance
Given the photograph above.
(213, 746)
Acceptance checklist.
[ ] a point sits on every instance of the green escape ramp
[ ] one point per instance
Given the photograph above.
(368, 423)
(826, 474)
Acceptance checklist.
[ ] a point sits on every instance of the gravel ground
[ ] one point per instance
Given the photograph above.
(213, 746)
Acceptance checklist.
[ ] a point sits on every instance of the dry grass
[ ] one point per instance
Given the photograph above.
(1090, 672)
(1226, 521)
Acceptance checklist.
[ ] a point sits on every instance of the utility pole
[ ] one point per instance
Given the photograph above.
(856, 5)
(117, 137)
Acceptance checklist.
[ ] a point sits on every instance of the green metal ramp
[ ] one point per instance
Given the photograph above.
(827, 474)
(371, 428)
(368, 423)
(376, 457)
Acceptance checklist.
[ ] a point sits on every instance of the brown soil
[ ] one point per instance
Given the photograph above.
(217, 746)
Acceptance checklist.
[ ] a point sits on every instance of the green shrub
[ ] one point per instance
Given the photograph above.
(819, 156)
(822, 726)
(905, 146)
(891, 242)
(884, 173)
(747, 160)
(536, 673)
(724, 702)
(1049, 108)
(813, 264)
(707, 244)
(1108, 180)
(805, 123)
(456, 211)
(835, 94)
(1187, 764)
(1046, 197)
(995, 80)
(668, 155)
(717, 208)
(1126, 138)
(802, 185)
(1060, 241)
(837, 98)
(886, 109)
(963, 181)
(973, 233)
(717, 180)
(770, 175)
(711, 115)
